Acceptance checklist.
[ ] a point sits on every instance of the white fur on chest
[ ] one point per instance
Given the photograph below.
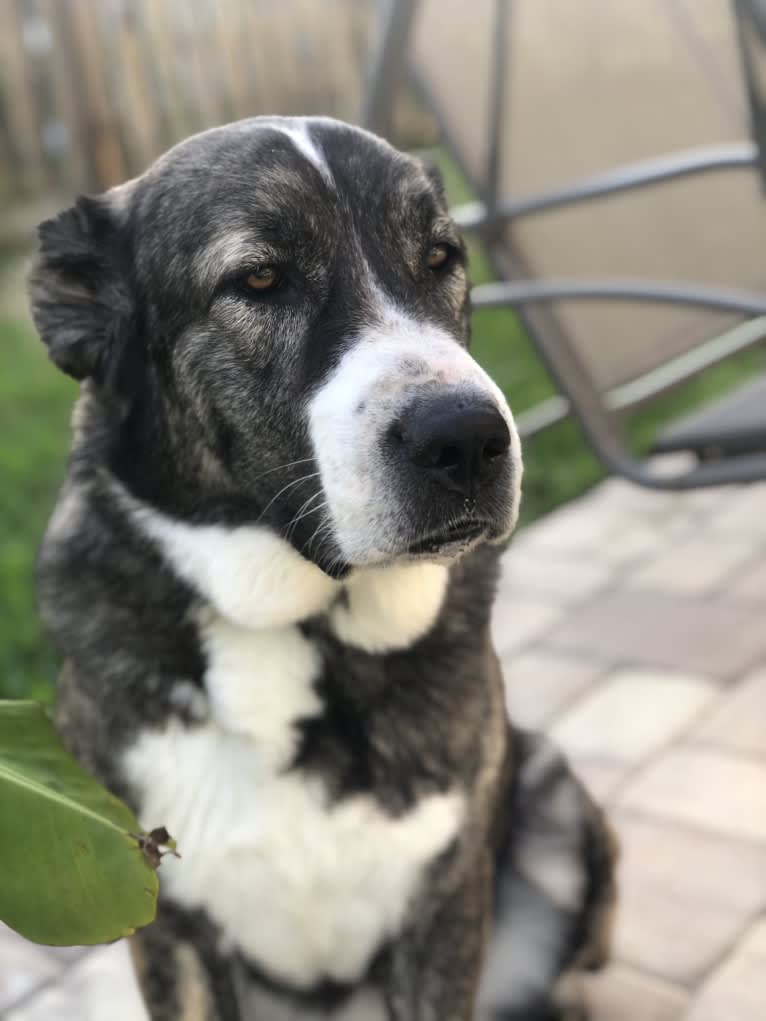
(255, 579)
(307, 889)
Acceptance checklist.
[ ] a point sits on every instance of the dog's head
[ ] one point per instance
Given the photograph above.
(273, 323)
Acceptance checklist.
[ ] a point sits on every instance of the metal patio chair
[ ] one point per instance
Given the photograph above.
(533, 93)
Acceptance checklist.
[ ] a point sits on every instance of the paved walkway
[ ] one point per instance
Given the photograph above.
(632, 626)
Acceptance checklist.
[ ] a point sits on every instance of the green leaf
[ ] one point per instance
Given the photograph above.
(72, 869)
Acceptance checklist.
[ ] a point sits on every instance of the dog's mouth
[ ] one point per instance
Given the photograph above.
(449, 541)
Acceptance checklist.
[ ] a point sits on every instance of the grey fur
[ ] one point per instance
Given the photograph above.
(190, 400)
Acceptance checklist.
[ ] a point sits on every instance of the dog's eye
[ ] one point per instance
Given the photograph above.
(263, 278)
(438, 255)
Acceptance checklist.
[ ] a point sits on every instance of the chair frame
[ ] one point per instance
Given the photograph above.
(595, 412)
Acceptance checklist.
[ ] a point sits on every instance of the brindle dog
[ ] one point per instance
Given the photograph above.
(270, 572)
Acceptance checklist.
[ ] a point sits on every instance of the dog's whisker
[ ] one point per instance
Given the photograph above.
(322, 528)
(304, 513)
(326, 529)
(295, 482)
(306, 503)
(283, 467)
(325, 525)
(322, 505)
(313, 537)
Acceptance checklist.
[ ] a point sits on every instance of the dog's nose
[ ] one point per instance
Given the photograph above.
(458, 441)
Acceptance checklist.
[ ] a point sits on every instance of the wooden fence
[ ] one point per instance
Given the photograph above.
(92, 90)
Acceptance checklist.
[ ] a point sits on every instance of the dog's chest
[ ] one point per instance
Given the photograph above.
(306, 888)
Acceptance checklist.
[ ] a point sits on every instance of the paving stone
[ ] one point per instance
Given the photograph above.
(100, 986)
(616, 522)
(696, 866)
(539, 683)
(750, 585)
(602, 777)
(705, 787)
(632, 714)
(588, 530)
(565, 578)
(740, 720)
(664, 506)
(621, 993)
(710, 637)
(23, 967)
(635, 543)
(518, 620)
(755, 939)
(737, 989)
(669, 936)
(704, 502)
(634, 500)
(572, 529)
(744, 514)
(632, 543)
(694, 566)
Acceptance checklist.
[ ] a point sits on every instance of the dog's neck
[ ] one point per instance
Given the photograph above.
(164, 460)
(253, 578)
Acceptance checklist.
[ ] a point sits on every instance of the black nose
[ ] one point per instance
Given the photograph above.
(458, 440)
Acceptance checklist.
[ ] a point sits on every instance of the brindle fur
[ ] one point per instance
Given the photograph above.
(193, 413)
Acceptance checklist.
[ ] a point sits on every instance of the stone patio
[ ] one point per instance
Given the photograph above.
(632, 626)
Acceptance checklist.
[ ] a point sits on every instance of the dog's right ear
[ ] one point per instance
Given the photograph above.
(79, 289)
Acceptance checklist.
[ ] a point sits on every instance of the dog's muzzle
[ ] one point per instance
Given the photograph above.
(417, 448)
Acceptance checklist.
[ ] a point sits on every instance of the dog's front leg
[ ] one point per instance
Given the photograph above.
(435, 968)
(179, 972)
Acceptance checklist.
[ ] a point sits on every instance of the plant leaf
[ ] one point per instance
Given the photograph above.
(71, 866)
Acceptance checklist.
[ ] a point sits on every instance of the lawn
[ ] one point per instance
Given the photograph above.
(35, 402)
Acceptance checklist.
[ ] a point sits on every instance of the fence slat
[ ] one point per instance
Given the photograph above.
(130, 94)
(116, 82)
(20, 105)
(96, 127)
(63, 89)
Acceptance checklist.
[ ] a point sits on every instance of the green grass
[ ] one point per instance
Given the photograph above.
(35, 403)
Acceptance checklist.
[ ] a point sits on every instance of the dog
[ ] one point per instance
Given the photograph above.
(270, 573)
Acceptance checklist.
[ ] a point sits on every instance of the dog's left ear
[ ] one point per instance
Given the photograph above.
(80, 292)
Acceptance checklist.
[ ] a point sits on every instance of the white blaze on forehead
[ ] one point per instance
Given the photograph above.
(298, 133)
(121, 195)
(235, 248)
